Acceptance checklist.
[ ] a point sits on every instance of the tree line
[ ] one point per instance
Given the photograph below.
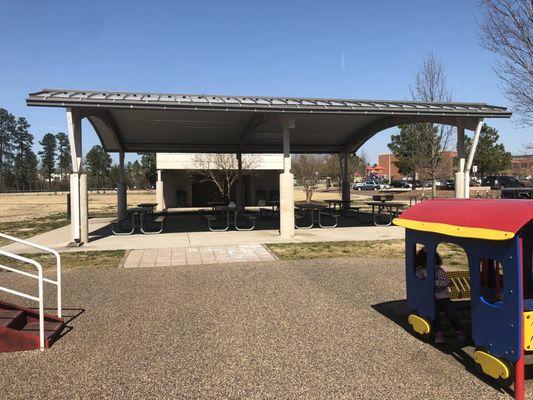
(21, 169)
(103, 173)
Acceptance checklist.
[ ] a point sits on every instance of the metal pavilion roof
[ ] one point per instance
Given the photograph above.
(206, 123)
(65, 98)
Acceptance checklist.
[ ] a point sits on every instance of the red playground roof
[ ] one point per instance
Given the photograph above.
(471, 218)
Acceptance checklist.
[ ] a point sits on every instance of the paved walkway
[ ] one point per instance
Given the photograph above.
(177, 256)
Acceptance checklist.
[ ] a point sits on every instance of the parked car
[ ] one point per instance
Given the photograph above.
(500, 182)
(368, 185)
(448, 184)
(474, 181)
(401, 184)
(356, 185)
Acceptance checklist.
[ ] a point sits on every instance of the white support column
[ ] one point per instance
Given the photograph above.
(84, 210)
(345, 185)
(122, 199)
(470, 160)
(78, 194)
(240, 192)
(286, 186)
(459, 175)
(160, 192)
(75, 207)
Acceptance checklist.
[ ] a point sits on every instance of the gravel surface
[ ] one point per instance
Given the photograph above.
(321, 329)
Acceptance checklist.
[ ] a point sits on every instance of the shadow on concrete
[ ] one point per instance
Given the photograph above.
(184, 222)
(397, 311)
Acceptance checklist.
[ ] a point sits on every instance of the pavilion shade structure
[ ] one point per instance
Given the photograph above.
(151, 122)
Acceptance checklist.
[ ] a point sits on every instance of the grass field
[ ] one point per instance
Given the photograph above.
(453, 256)
(26, 215)
(21, 207)
(70, 261)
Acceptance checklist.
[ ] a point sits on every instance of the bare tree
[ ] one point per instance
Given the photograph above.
(334, 167)
(223, 169)
(507, 31)
(307, 168)
(430, 86)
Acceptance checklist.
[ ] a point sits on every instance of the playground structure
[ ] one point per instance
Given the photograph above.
(497, 236)
(24, 328)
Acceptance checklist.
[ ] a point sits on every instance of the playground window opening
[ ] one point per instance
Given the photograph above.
(491, 278)
(420, 261)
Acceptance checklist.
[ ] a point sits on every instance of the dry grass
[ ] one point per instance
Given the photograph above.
(70, 261)
(21, 207)
(453, 256)
(359, 249)
(26, 215)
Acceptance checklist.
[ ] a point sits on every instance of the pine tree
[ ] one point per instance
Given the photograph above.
(25, 165)
(7, 127)
(48, 155)
(30, 169)
(64, 162)
(148, 165)
(134, 175)
(98, 164)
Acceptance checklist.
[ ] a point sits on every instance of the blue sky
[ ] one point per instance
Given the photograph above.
(345, 49)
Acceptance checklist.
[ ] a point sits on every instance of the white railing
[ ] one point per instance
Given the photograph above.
(39, 277)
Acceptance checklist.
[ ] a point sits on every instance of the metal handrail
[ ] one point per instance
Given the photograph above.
(39, 299)
(57, 282)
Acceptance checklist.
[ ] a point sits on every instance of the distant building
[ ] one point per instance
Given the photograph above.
(182, 187)
(375, 171)
(521, 166)
(390, 167)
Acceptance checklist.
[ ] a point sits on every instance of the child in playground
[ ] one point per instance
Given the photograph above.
(442, 296)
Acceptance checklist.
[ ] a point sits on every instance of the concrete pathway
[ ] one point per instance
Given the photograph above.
(169, 257)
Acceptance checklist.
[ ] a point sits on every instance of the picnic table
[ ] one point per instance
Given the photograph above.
(272, 210)
(333, 203)
(383, 197)
(393, 208)
(138, 217)
(215, 204)
(311, 208)
(229, 210)
(147, 205)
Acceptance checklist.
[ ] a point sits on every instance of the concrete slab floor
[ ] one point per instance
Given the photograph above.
(101, 238)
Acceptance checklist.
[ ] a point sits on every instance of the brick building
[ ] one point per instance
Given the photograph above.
(521, 166)
(388, 162)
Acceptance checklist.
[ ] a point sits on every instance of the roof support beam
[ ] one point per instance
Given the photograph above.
(253, 123)
(106, 117)
(360, 136)
(471, 158)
